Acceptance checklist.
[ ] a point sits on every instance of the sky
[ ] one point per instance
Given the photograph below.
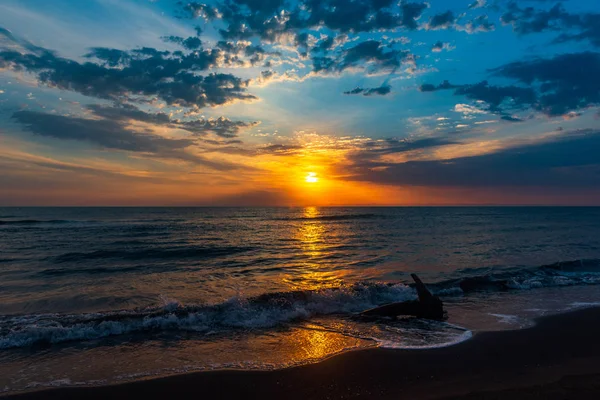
(299, 102)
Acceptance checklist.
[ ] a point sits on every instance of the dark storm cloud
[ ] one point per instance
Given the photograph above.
(381, 91)
(110, 134)
(222, 126)
(554, 86)
(570, 160)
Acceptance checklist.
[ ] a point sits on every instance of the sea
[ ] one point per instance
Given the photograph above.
(96, 296)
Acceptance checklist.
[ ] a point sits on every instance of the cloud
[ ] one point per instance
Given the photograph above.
(201, 10)
(221, 126)
(146, 72)
(440, 46)
(191, 43)
(411, 12)
(478, 24)
(477, 4)
(529, 20)
(11, 42)
(441, 21)
(564, 83)
(110, 134)
(467, 109)
(368, 154)
(381, 91)
(589, 25)
(573, 27)
(566, 161)
(498, 98)
(511, 118)
(428, 87)
(106, 133)
(291, 26)
(555, 86)
(371, 56)
(280, 149)
(271, 20)
(391, 145)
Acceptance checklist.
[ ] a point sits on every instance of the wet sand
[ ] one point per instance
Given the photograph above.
(559, 358)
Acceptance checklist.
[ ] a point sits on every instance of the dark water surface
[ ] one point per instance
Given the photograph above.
(151, 291)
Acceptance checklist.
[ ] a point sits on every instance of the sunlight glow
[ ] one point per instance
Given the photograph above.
(312, 177)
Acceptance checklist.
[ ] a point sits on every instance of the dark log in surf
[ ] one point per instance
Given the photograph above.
(428, 306)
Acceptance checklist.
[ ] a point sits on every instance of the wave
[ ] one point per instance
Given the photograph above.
(92, 271)
(272, 309)
(564, 273)
(34, 222)
(264, 311)
(144, 254)
(332, 217)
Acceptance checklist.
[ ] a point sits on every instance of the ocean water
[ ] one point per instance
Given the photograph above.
(105, 295)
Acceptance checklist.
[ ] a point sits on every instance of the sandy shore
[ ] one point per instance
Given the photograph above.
(559, 358)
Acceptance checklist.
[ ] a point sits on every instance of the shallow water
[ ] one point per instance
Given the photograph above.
(153, 291)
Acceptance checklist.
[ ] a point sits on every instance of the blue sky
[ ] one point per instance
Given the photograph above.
(235, 102)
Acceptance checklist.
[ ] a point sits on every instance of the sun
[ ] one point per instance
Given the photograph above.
(311, 177)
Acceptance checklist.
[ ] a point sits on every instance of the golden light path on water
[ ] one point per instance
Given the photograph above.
(315, 239)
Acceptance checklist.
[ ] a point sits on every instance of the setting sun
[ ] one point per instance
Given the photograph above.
(311, 177)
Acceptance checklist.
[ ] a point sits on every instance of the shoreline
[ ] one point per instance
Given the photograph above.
(559, 353)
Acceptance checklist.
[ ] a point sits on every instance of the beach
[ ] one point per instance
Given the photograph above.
(558, 358)
(299, 199)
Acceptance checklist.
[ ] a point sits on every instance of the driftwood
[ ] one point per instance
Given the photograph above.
(428, 306)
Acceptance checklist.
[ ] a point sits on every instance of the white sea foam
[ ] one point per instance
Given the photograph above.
(583, 304)
(507, 319)
(464, 336)
(236, 313)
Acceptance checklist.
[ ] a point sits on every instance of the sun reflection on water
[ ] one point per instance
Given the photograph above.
(314, 243)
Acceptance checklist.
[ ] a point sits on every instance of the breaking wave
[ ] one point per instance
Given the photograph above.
(264, 311)
(565, 273)
(272, 309)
